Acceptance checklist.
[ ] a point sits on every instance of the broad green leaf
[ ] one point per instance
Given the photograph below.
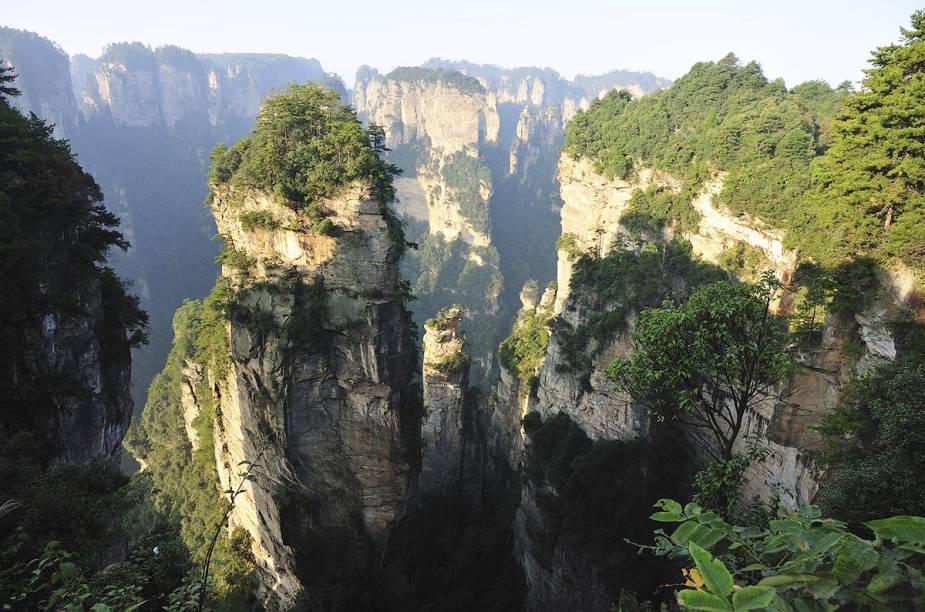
(901, 528)
(787, 579)
(715, 575)
(682, 534)
(752, 598)
(705, 537)
(824, 588)
(666, 517)
(885, 580)
(786, 526)
(853, 559)
(669, 505)
(700, 600)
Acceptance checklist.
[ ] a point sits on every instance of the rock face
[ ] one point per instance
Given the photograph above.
(50, 96)
(591, 212)
(478, 146)
(439, 126)
(318, 390)
(135, 109)
(446, 406)
(80, 367)
(438, 119)
(135, 86)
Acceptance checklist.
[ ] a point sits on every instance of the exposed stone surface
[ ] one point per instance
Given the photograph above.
(592, 206)
(83, 364)
(317, 389)
(437, 120)
(558, 576)
(49, 97)
(171, 87)
(591, 211)
(446, 385)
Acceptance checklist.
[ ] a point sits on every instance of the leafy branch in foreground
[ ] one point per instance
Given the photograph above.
(801, 561)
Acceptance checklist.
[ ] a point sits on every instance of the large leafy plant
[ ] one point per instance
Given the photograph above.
(801, 561)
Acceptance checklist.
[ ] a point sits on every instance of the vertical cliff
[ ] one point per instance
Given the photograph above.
(448, 424)
(478, 145)
(438, 125)
(50, 96)
(66, 322)
(135, 113)
(570, 379)
(318, 384)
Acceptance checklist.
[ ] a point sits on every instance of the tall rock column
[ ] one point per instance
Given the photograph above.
(320, 372)
(446, 382)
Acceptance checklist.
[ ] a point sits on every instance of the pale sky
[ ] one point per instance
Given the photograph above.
(798, 40)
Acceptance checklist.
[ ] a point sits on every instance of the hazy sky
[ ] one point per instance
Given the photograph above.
(797, 40)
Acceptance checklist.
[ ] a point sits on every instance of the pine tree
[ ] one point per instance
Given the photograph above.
(869, 188)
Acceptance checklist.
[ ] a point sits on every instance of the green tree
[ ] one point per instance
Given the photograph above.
(708, 361)
(868, 190)
(305, 146)
(874, 446)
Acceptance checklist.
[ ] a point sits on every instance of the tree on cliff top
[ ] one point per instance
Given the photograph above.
(869, 189)
(305, 146)
(708, 361)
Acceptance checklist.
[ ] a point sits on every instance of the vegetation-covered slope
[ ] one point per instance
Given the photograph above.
(720, 117)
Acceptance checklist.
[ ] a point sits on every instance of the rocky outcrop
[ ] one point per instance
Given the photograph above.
(317, 392)
(50, 96)
(169, 87)
(76, 368)
(785, 424)
(446, 385)
(433, 119)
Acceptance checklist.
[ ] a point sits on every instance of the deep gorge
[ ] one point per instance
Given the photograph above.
(455, 340)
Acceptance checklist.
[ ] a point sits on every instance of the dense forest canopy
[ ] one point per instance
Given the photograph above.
(305, 146)
(840, 171)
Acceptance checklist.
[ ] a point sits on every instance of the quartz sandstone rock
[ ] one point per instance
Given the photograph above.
(316, 393)
(446, 382)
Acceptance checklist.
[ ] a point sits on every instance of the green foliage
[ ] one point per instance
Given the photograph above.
(720, 117)
(446, 272)
(452, 362)
(743, 260)
(57, 583)
(451, 78)
(465, 176)
(522, 351)
(623, 282)
(233, 258)
(709, 360)
(654, 208)
(185, 483)
(305, 147)
(718, 486)
(800, 561)
(253, 219)
(844, 289)
(569, 243)
(873, 448)
(867, 194)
